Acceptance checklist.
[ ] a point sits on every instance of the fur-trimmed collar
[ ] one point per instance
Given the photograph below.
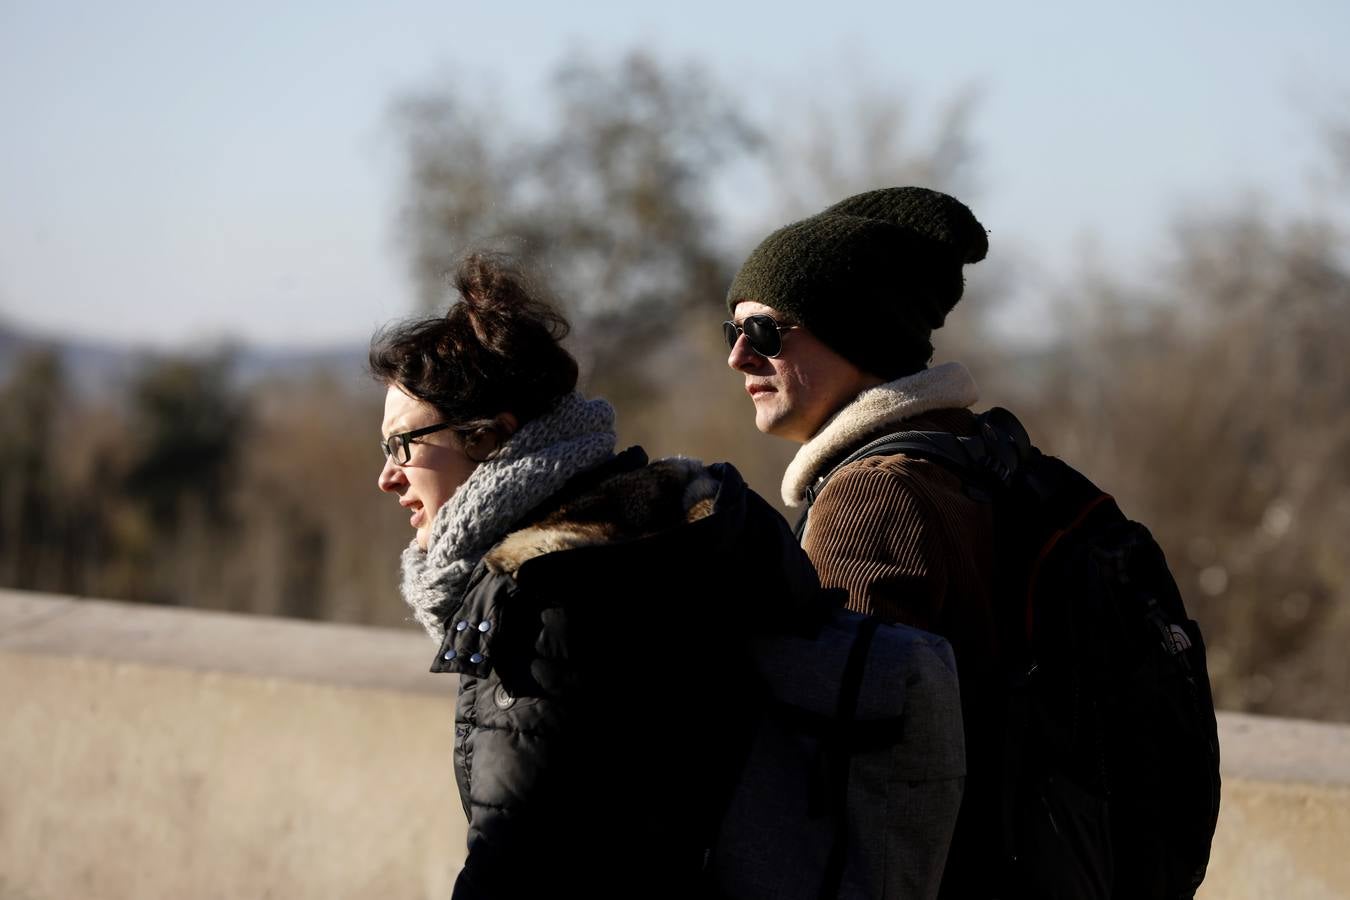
(632, 505)
(871, 413)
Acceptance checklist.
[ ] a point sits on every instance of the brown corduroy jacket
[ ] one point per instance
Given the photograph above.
(907, 542)
(903, 537)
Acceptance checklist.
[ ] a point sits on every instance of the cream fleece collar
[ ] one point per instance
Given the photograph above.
(871, 413)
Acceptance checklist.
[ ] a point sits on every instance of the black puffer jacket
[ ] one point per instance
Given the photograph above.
(604, 691)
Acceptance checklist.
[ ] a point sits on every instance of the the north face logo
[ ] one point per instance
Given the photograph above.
(1175, 640)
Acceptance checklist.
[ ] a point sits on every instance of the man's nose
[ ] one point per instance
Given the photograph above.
(742, 358)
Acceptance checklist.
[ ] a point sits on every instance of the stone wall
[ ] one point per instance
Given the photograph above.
(163, 753)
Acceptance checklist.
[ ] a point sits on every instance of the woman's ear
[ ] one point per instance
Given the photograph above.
(507, 425)
(482, 443)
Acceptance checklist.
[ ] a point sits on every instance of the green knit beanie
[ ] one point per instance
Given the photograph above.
(871, 276)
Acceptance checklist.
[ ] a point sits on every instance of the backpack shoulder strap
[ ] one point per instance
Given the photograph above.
(987, 460)
(945, 449)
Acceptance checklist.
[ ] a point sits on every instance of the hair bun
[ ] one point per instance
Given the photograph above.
(496, 350)
(931, 214)
(495, 293)
(488, 283)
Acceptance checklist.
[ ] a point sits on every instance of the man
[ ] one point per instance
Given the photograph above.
(831, 324)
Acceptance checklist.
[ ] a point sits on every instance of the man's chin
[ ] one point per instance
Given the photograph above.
(774, 426)
(786, 427)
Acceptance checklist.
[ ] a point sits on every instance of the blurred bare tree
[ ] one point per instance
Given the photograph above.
(187, 426)
(32, 405)
(610, 202)
(1215, 408)
(867, 139)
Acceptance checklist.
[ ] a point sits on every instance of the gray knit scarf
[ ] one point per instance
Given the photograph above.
(574, 435)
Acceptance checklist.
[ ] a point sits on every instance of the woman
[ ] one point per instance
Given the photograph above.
(595, 605)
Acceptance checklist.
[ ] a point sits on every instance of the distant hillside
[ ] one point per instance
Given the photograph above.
(94, 366)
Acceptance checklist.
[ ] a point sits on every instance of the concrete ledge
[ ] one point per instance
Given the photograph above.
(1280, 841)
(1285, 811)
(317, 652)
(152, 752)
(1260, 748)
(165, 753)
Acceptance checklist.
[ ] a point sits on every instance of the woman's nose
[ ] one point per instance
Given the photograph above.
(391, 476)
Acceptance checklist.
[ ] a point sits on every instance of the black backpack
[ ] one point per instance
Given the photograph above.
(1110, 781)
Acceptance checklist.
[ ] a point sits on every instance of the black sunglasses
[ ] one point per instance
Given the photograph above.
(762, 332)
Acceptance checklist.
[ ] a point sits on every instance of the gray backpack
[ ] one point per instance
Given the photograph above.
(855, 769)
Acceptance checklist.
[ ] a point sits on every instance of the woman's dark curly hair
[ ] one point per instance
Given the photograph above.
(496, 350)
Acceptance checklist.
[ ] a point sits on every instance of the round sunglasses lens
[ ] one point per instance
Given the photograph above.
(763, 334)
(731, 333)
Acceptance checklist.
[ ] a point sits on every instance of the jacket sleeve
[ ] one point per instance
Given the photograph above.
(548, 766)
(874, 533)
(517, 738)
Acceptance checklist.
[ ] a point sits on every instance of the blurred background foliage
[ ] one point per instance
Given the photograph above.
(1209, 394)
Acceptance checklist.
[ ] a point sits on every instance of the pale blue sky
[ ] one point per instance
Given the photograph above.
(175, 171)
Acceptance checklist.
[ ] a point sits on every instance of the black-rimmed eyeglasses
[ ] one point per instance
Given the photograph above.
(398, 447)
(764, 335)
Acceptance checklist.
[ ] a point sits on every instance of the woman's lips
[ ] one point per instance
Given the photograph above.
(415, 520)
